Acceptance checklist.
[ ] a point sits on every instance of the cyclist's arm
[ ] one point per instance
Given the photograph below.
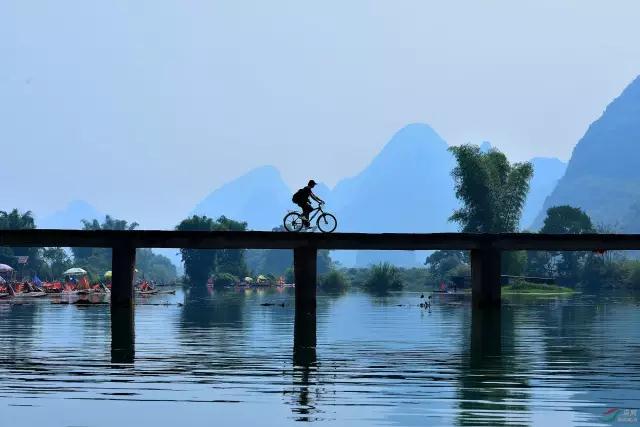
(316, 198)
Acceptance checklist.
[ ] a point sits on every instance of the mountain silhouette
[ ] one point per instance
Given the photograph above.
(259, 197)
(71, 216)
(407, 187)
(547, 171)
(603, 177)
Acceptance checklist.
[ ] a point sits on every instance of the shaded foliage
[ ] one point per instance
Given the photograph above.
(335, 281)
(98, 260)
(442, 265)
(200, 264)
(567, 266)
(383, 278)
(16, 220)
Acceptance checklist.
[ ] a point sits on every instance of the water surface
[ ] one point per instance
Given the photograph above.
(225, 359)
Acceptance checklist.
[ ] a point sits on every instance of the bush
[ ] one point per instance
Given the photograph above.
(383, 278)
(334, 281)
(225, 279)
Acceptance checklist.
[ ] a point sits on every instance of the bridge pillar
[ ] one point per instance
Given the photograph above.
(123, 262)
(485, 277)
(305, 266)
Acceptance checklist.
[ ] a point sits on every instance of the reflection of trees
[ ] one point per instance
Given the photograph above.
(212, 333)
(490, 375)
(18, 323)
(219, 309)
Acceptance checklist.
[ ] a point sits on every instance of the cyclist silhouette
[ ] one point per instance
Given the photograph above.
(301, 198)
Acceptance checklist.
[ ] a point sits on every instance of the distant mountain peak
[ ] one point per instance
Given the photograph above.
(415, 134)
(602, 176)
(71, 216)
(259, 197)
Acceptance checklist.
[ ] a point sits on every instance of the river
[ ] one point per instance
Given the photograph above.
(227, 358)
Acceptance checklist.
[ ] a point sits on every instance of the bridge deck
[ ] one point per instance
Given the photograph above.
(342, 241)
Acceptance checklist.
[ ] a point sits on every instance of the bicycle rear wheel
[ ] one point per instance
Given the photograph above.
(327, 223)
(293, 221)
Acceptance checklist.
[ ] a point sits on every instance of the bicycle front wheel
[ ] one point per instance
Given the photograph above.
(293, 221)
(327, 223)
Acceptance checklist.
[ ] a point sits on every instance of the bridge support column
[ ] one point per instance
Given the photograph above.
(485, 277)
(123, 262)
(304, 339)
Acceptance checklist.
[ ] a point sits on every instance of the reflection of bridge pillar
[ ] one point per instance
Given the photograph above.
(486, 333)
(123, 262)
(485, 277)
(304, 339)
(122, 334)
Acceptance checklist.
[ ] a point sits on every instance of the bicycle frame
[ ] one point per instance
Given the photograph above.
(315, 212)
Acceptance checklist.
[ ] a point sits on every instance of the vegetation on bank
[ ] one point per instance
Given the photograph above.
(50, 263)
(335, 282)
(529, 288)
(200, 264)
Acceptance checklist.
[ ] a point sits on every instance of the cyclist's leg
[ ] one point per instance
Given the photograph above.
(306, 210)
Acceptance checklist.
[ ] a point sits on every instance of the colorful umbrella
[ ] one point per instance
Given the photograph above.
(4, 268)
(76, 271)
(109, 274)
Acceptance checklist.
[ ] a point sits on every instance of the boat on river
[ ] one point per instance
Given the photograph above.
(22, 292)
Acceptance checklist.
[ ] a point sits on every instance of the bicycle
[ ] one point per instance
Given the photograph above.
(325, 221)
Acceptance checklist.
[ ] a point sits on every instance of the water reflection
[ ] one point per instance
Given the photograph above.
(246, 357)
(123, 334)
(494, 387)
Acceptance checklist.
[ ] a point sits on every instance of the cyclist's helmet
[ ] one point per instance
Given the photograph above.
(311, 183)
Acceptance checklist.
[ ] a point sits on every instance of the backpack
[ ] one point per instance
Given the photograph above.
(298, 197)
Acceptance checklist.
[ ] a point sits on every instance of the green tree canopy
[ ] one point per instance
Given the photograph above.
(383, 278)
(16, 220)
(567, 265)
(567, 220)
(98, 260)
(492, 191)
(200, 264)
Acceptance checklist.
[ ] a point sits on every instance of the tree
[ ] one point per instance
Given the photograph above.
(154, 266)
(231, 261)
(564, 220)
(567, 220)
(493, 191)
(15, 220)
(442, 263)
(200, 264)
(98, 260)
(334, 282)
(383, 278)
(58, 261)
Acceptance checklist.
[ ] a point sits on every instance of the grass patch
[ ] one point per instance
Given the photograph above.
(523, 287)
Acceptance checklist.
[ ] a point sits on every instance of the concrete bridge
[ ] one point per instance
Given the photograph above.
(485, 249)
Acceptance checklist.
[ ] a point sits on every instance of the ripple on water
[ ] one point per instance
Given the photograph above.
(378, 361)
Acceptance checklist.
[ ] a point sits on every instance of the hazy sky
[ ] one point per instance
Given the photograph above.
(146, 106)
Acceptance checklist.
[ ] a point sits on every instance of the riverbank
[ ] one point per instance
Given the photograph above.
(528, 288)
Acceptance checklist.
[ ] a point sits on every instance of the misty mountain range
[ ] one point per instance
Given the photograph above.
(408, 186)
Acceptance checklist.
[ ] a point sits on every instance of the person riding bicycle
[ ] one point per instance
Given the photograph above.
(301, 198)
